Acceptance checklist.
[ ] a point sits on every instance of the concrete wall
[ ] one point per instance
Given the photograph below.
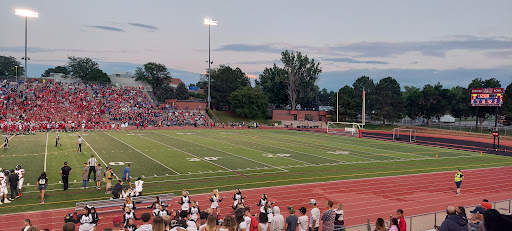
(183, 104)
(299, 115)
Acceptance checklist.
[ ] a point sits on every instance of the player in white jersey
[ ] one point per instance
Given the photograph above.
(57, 139)
(138, 187)
(3, 187)
(21, 175)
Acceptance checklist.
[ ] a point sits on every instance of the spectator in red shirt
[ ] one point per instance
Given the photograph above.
(401, 221)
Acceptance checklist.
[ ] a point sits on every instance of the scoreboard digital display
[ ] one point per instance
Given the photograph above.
(490, 97)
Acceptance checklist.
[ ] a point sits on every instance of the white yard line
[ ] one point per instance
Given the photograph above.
(225, 152)
(218, 165)
(254, 149)
(143, 153)
(95, 152)
(45, 152)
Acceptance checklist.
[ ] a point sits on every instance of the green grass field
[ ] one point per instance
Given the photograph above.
(200, 160)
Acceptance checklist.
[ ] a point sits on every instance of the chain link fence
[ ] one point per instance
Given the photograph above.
(427, 221)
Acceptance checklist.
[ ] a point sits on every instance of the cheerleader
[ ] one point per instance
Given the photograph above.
(240, 204)
(95, 216)
(85, 219)
(215, 199)
(185, 201)
(269, 211)
(129, 203)
(156, 204)
(161, 212)
(130, 226)
(263, 201)
(194, 211)
(128, 213)
(237, 198)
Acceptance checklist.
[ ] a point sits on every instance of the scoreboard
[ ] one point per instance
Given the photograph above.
(490, 97)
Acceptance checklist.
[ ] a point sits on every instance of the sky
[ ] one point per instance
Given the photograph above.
(416, 42)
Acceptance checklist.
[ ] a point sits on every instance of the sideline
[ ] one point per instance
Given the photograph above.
(300, 179)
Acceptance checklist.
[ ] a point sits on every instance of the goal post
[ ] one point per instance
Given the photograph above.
(347, 128)
(404, 133)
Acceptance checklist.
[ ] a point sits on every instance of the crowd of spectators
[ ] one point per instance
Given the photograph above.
(26, 107)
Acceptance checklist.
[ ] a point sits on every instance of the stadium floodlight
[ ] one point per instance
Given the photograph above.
(27, 14)
(209, 22)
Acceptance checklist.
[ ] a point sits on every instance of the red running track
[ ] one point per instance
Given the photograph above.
(362, 199)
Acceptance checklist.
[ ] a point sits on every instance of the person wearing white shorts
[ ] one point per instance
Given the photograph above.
(3, 187)
(21, 175)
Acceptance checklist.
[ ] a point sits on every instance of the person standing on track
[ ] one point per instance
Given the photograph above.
(458, 180)
(57, 138)
(65, 172)
(79, 141)
(21, 177)
(92, 167)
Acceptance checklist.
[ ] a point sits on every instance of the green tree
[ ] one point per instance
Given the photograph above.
(273, 82)
(225, 80)
(181, 91)
(348, 110)
(366, 83)
(8, 66)
(506, 109)
(483, 112)
(80, 67)
(326, 98)
(389, 102)
(434, 101)
(97, 75)
(165, 92)
(302, 76)
(459, 103)
(57, 69)
(412, 97)
(249, 102)
(155, 74)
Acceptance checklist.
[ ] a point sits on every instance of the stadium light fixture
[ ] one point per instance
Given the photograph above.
(209, 22)
(27, 14)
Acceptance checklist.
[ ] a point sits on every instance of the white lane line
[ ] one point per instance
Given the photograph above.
(143, 153)
(45, 152)
(95, 153)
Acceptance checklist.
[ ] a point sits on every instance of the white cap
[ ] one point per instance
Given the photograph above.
(312, 201)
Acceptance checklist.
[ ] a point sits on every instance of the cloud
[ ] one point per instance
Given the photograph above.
(270, 62)
(435, 48)
(145, 26)
(109, 28)
(334, 80)
(251, 48)
(349, 60)
(36, 49)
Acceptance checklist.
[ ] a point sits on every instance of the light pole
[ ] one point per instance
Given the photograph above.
(27, 14)
(209, 22)
(16, 73)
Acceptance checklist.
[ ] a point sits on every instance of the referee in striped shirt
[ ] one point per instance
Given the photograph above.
(92, 167)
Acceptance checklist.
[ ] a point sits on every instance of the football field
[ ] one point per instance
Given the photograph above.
(200, 160)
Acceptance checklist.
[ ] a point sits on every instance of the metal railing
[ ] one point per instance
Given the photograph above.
(427, 221)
